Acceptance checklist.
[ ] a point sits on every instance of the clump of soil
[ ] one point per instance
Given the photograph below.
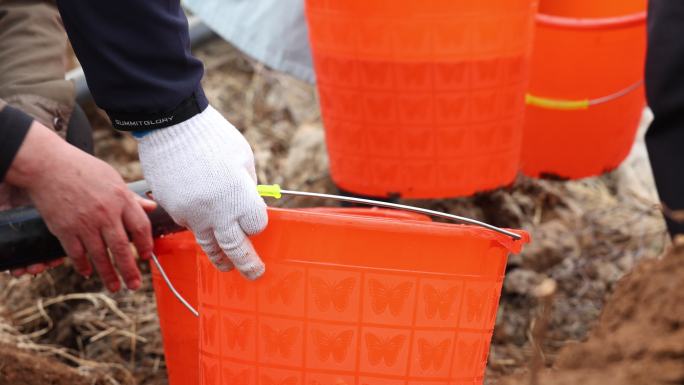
(639, 339)
(22, 368)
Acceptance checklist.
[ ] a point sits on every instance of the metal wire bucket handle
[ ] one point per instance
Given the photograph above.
(275, 191)
(580, 104)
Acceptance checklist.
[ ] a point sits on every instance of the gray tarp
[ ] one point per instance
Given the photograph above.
(273, 32)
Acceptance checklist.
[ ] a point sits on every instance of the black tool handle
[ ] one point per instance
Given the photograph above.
(25, 239)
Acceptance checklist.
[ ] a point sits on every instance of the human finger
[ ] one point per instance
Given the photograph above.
(117, 242)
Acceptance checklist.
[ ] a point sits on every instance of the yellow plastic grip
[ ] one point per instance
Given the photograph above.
(269, 190)
(555, 104)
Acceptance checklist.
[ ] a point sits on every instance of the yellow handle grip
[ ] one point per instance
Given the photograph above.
(556, 104)
(269, 190)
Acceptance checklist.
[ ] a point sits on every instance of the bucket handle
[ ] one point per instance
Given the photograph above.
(275, 191)
(581, 104)
(169, 284)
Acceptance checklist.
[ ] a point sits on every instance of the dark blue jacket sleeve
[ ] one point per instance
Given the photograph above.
(14, 125)
(137, 61)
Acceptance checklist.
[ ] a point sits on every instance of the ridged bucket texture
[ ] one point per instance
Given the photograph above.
(355, 299)
(423, 99)
(579, 59)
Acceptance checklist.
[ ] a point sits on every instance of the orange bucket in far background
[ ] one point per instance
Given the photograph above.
(177, 253)
(586, 95)
(355, 298)
(422, 99)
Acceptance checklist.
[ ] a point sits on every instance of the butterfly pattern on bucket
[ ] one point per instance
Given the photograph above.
(310, 325)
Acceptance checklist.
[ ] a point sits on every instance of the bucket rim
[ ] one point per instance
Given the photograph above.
(373, 212)
(511, 245)
(614, 22)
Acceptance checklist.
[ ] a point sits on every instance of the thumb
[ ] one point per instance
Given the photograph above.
(146, 204)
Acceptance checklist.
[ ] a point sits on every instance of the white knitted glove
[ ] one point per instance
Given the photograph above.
(202, 173)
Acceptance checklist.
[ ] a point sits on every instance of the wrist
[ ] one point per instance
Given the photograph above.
(147, 121)
(35, 156)
(196, 131)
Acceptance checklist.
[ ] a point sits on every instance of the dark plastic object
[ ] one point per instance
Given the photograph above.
(25, 239)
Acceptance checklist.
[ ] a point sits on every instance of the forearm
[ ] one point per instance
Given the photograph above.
(137, 61)
(28, 167)
(136, 57)
(14, 126)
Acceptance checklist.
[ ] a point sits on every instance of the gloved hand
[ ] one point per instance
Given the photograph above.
(202, 173)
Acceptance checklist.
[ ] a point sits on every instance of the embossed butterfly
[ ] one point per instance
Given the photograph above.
(432, 355)
(468, 353)
(384, 349)
(338, 381)
(328, 345)
(237, 333)
(236, 378)
(493, 305)
(209, 329)
(209, 373)
(266, 380)
(383, 297)
(285, 288)
(208, 279)
(280, 341)
(336, 294)
(475, 304)
(439, 301)
(235, 287)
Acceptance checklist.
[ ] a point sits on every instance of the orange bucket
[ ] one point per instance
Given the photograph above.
(422, 99)
(586, 96)
(180, 329)
(355, 299)
(591, 8)
(177, 254)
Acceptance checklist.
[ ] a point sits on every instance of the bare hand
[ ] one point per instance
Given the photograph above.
(86, 205)
(36, 268)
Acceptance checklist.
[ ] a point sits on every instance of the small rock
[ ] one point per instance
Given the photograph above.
(545, 289)
(522, 281)
(626, 262)
(608, 272)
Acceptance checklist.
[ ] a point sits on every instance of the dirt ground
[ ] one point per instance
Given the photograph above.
(587, 235)
(23, 368)
(639, 338)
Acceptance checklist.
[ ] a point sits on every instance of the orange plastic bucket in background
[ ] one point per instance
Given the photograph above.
(355, 299)
(422, 99)
(177, 254)
(576, 62)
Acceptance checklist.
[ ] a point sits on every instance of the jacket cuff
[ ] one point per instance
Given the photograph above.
(144, 121)
(14, 125)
